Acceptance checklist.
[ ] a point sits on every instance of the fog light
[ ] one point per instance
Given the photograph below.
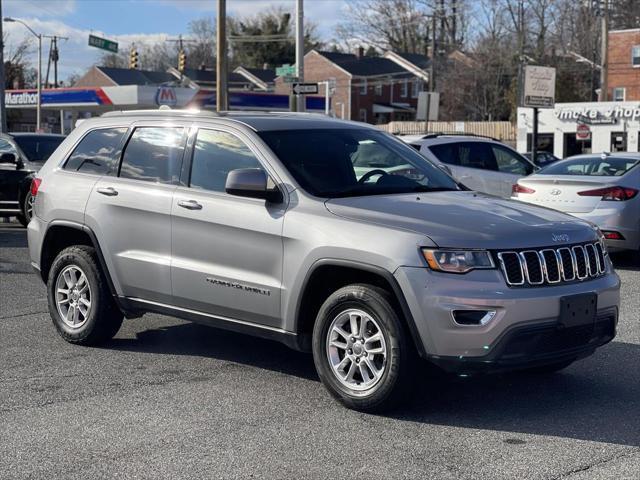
(473, 317)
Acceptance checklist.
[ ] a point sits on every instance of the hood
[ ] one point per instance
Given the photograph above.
(467, 219)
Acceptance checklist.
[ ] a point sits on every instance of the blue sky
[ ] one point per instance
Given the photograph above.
(133, 20)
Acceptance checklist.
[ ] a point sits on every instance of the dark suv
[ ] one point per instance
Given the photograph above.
(21, 156)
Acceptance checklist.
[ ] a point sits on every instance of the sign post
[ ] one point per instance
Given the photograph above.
(539, 92)
(103, 43)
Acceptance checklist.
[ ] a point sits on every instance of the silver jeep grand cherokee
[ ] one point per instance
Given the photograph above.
(260, 223)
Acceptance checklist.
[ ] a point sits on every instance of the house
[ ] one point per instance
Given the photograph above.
(623, 74)
(367, 89)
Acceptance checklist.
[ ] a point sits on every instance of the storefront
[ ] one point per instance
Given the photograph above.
(574, 128)
(67, 105)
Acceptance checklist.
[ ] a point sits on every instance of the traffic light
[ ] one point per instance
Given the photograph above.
(182, 60)
(133, 58)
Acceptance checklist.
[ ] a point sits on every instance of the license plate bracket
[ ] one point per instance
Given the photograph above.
(578, 310)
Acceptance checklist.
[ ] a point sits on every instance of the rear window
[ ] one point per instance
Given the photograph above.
(38, 148)
(591, 166)
(154, 154)
(98, 152)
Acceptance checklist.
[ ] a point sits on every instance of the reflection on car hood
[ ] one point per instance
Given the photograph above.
(467, 219)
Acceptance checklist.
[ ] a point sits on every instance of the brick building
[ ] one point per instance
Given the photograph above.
(623, 75)
(367, 89)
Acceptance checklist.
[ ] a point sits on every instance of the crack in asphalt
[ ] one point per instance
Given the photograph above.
(584, 468)
(9, 317)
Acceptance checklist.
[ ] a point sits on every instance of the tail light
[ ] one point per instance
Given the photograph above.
(35, 185)
(521, 189)
(612, 235)
(616, 194)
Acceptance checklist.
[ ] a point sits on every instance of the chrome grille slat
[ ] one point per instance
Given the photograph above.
(550, 266)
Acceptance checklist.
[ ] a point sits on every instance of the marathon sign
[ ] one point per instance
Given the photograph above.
(21, 98)
(599, 116)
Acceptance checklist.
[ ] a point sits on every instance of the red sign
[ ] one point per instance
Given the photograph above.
(583, 132)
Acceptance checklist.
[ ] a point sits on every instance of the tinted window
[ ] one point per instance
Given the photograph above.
(349, 162)
(38, 148)
(467, 154)
(154, 154)
(97, 152)
(592, 166)
(215, 154)
(6, 147)
(510, 162)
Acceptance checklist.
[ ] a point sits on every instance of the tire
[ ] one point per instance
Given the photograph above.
(27, 209)
(363, 389)
(551, 368)
(93, 324)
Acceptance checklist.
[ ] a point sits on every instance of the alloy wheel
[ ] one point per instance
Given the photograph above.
(73, 296)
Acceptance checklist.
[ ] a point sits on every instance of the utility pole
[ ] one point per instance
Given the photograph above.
(432, 64)
(3, 111)
(222, 102)
(604, 87)
(300, 99)
(54, 56)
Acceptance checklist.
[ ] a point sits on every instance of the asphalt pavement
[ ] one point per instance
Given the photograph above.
(170, 399)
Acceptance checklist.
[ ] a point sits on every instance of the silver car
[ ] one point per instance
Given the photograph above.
(600, 188)
(480, 163)
(259, 223)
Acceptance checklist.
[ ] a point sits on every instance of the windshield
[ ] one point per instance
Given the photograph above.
(353, 162)
(591, 166)
(38, 148)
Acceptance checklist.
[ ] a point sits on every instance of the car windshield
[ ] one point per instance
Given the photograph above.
(353, 162)
(591, 166)
(38, 148)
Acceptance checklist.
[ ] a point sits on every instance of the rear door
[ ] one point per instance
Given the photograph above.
(130, 210)
(511, 166)
(227, 250)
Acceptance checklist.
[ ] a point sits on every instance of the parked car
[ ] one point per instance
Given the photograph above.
(21, 156)
(600, 188)
(480, 163)
(258, 223)
(542, 158)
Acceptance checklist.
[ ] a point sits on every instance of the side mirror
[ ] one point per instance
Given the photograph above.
(251, 182)
(8, 158)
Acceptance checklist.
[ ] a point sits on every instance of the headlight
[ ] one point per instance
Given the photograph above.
(457, 261)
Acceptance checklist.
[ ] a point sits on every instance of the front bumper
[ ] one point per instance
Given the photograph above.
(525, 330)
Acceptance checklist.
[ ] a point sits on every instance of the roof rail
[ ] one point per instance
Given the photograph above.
(162, 112)
(456, 134)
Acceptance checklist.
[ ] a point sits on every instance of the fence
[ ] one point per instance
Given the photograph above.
(503, 131)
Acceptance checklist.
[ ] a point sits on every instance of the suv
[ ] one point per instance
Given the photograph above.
(21, 156)
(258, 223)
(480, 163)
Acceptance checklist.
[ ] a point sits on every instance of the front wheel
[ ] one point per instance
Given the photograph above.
(360, 349)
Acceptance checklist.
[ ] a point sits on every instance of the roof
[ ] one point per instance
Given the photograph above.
(420, 61)
(129, 76)
(209, 76)
(258, 121)
(364, 66)
(266, 75)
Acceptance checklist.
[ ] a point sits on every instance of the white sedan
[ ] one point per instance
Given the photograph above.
(600, 188)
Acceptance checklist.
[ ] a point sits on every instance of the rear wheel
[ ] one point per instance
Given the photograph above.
(27, 209)
(360, 349)
(80, 303)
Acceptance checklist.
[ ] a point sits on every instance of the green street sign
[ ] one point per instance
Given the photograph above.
(286, 71)
(103, 43)
(289, 79)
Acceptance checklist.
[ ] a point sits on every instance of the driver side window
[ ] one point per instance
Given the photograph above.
(509, 162)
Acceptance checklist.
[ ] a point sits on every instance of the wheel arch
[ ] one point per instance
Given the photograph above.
(328, 275)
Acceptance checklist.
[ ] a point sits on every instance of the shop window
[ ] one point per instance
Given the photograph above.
(573, 146)
(618, 94)
(635, 56)
(618, 142)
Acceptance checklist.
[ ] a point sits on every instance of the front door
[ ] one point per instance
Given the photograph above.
(226, 250)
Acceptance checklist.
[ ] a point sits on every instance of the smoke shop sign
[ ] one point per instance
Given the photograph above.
(598, 116)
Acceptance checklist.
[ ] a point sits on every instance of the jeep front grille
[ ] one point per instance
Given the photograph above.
(550, 266)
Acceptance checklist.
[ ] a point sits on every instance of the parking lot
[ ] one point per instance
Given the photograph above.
(170, 399)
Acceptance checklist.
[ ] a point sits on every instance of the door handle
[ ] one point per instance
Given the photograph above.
(189, 204)
(108, 191)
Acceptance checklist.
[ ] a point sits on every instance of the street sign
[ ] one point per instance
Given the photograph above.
(305, 88)
(539, 87)
(286, 70)
(289, 79)
(583, 132)
(103, 44)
